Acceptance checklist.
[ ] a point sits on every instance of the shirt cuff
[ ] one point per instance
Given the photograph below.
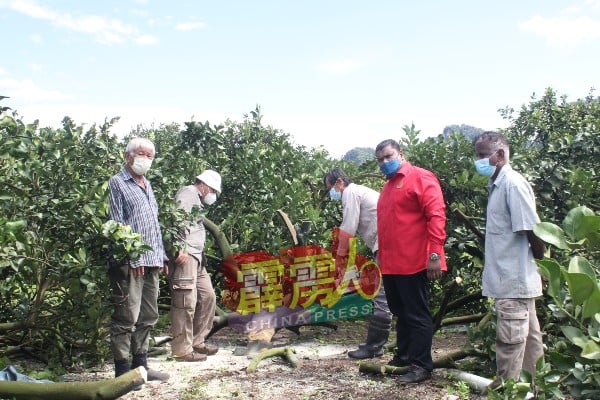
(436, 248)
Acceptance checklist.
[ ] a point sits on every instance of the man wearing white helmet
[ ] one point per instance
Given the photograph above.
(193, 299)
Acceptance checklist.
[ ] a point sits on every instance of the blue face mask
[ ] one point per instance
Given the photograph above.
(335, 195)
(389, 168)
(484, 168)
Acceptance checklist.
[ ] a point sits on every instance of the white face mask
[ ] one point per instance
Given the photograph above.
(141, 165)
(209, 199)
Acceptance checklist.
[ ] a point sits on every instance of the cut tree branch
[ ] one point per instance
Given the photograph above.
(106, 390)
(448, 361)
(469, 223)
(286, 353)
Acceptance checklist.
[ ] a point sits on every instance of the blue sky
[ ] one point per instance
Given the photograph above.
(336, 74)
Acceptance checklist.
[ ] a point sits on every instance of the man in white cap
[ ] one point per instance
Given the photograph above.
(193, 299)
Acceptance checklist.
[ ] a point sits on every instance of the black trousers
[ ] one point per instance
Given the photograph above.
(408, 299)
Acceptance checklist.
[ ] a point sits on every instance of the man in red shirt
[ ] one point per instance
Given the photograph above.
(411, 215)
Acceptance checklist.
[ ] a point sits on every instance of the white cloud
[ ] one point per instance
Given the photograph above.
(340, 67)
(35, 67)
(575, 25)
(32, 9)
(27, 90)
(189, 26)
(106, 30)
(35, 38)
(146, 40)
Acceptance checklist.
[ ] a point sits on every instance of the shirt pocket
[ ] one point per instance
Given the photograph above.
(512, 324)
(498, 223)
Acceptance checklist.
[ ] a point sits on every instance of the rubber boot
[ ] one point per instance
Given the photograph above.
(141, 360)
(377, 336)
(121, 367)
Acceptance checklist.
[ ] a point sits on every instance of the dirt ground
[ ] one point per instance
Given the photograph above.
(325, 370)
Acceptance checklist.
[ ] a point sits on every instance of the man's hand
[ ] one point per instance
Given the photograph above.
(182, 258)
(434, 269)
(136, 272)
(165, 268)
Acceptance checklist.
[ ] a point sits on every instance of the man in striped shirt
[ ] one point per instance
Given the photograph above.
(134, 283)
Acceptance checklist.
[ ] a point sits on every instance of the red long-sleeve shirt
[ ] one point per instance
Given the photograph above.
(411, 221)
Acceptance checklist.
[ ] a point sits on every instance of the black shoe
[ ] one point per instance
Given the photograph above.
(365, 352)
(398, 362)
(415, 374)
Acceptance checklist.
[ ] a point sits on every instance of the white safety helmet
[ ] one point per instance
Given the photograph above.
(212, 179)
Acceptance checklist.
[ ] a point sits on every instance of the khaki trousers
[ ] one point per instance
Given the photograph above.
(193, 304)
(135, 310)
(518, 337)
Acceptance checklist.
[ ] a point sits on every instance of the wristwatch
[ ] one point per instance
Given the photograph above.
(434, 257)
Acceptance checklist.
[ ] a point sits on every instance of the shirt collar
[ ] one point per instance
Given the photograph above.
(127, 175)
(500, 176)
(404, 169)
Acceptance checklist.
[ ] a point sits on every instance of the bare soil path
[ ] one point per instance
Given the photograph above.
(325, 372)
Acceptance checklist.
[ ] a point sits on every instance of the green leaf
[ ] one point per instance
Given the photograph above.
(15, 226)
(591, 350)
(551, 270)
(574, 223)
(574, 335)
(551, 234)
(81, 253)
(581, 286)
(591, 307)
(589, 224)
(594, 240)
(581, 265)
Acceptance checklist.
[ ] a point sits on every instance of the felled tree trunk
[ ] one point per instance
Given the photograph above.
(286, 353)
(448, 361)
(100, 390)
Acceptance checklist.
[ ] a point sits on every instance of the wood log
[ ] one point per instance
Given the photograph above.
(286, 353)
(448, 361)
(100, 390)
(465, 319)
(461, 302)
(475, 382)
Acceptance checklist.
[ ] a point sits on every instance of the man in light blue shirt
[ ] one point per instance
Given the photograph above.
(510, 274)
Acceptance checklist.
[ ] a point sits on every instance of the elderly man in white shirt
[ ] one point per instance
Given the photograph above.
(510, 274)
(359, 212)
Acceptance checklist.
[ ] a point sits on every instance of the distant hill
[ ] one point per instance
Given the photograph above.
(470, 132)
(359, 155)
